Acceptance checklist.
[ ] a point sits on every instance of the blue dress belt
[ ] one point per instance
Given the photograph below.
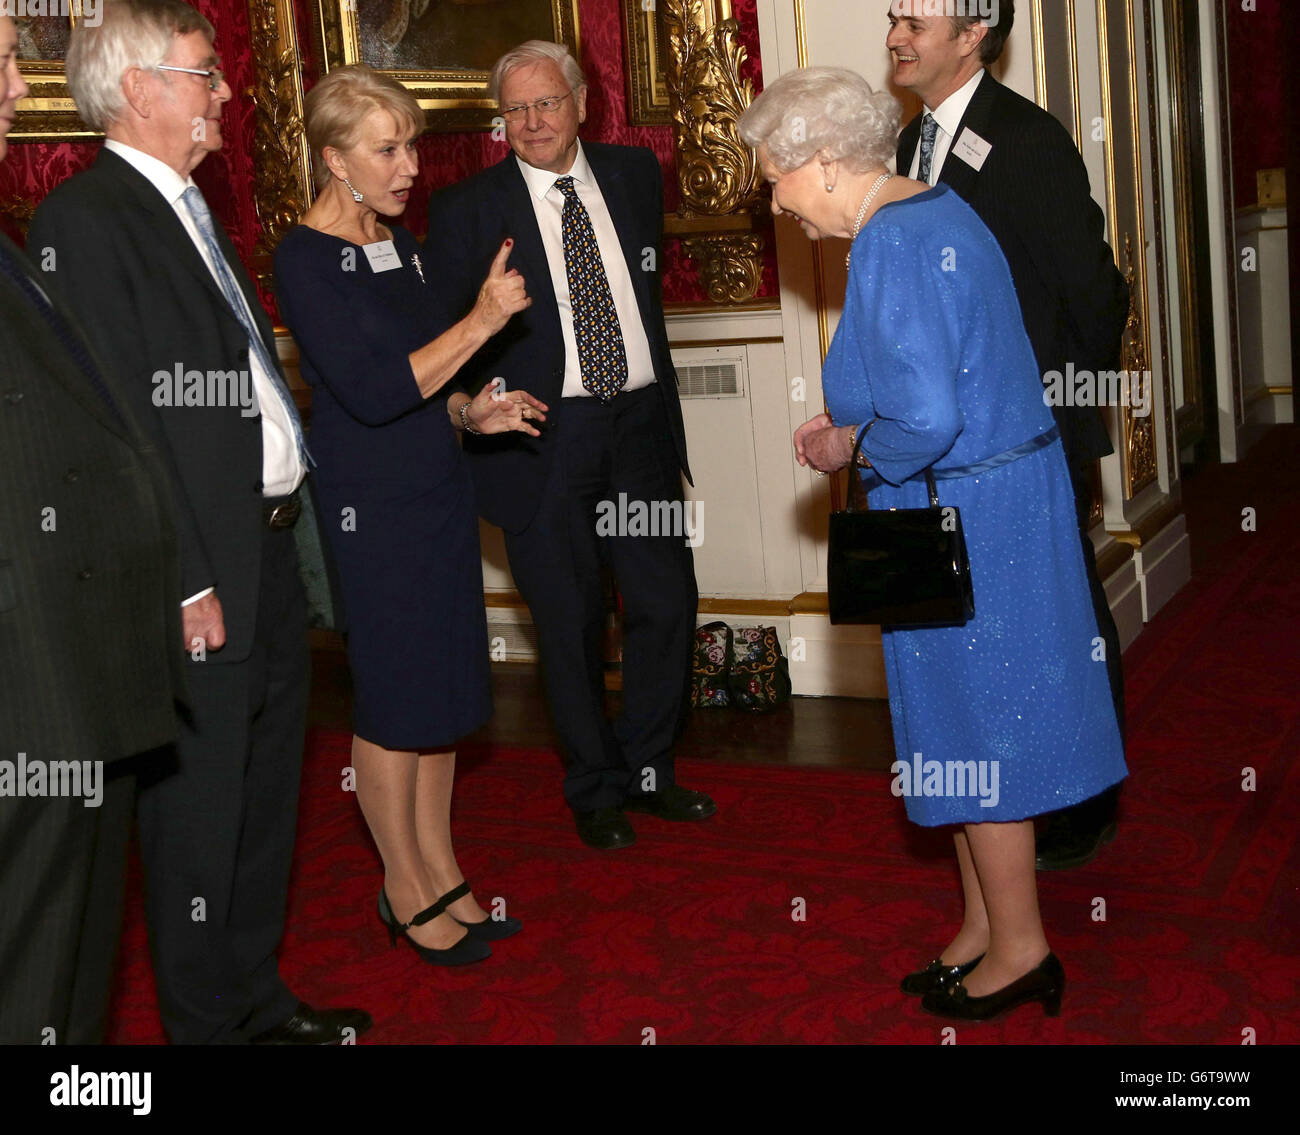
(1024, 449)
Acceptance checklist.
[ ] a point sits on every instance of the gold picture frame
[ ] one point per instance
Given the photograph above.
(48, 113)
(648, 100)
(464, 36)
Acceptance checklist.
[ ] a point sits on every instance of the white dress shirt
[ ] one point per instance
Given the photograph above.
(548, 204)
(282, 468)
(948, 115)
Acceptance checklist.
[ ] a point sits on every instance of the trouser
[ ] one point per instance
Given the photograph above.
(62, 867)
(610, 460)
(216, 835)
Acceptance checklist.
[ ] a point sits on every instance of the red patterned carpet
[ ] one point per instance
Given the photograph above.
(690, 932)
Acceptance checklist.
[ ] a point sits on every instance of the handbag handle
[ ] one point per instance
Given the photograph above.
(853, 468)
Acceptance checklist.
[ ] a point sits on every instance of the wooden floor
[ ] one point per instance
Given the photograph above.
(823, 732)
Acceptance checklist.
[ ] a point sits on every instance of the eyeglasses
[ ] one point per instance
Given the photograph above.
(542, 106)
(215, 77)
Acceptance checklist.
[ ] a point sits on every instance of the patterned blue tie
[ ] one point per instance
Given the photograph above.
(929, 130)
(235, 298)
(601, 356)
(63, 331)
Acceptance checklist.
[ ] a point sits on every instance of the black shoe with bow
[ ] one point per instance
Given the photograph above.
(936, 975)
(1044, 983)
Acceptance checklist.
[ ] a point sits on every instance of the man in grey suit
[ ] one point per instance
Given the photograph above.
(90, 642)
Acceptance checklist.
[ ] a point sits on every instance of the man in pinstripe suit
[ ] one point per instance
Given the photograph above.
(1018, 168)
(90, 648)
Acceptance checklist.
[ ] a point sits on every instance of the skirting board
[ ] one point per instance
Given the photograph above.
(1164, 564)
(1124, 594)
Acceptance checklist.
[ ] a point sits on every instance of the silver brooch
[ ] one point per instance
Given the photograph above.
(415, 261)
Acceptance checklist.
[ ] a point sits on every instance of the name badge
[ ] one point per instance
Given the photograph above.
(972, 149)
(382, 256)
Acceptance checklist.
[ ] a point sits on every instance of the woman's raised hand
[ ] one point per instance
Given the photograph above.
(495, 410)
(502, 293)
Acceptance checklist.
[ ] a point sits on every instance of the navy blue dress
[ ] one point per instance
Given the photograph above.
(396, 501)
(931, 344)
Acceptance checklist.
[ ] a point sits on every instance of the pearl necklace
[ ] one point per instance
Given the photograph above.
(866, 204)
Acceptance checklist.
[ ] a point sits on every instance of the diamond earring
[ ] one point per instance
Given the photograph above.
(357, 197)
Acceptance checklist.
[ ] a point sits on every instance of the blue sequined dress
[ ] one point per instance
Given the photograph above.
(932, 345)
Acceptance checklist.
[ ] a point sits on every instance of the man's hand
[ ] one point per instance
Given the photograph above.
(202, 624)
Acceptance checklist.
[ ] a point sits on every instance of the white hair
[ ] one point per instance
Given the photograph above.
(827, 112)
(532, 52)
(132, 33)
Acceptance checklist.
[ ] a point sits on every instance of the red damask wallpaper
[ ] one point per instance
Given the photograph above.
(1256, 52)
(227, 178)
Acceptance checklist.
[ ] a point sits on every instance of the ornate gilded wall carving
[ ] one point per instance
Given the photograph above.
(283, 185)
(1140, 468)
(717, 173)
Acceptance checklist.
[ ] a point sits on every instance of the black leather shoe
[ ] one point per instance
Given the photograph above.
(936, 975)
(317, 1026)
(673, 803)
(605, 828)
(1064, 845)
(1045, 983)
(491, 930)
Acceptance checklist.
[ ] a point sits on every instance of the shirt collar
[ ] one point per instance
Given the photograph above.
(541, 181)
(159, 174)
(952, 110)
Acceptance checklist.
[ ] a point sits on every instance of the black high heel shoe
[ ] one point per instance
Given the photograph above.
(936, 976)
(487, 930)
(1045, 983)
(467, 950)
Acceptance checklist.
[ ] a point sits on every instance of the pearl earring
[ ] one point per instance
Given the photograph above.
(830, 188)
(357, 197)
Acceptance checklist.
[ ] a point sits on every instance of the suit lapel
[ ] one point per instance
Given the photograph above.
(907, 144)
(529, 254)
(165, 229)
(956, 173)
(609, 177)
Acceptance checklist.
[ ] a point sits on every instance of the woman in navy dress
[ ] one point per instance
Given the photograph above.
(396, 501)
(931, 362)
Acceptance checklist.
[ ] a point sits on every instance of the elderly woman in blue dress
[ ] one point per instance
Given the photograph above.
(931, 361)
(381, 357)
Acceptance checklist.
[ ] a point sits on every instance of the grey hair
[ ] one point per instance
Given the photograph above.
(827, 112)
(535, 51)
(132, 33)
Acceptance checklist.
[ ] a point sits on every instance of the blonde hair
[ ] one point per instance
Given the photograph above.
(336, 106)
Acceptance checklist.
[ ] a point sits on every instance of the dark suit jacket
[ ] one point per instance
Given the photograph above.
(90, 634)
(467, 224)
(1032, 192)
(125, 264)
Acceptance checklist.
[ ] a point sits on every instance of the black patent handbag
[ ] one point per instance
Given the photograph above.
(904, 567)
